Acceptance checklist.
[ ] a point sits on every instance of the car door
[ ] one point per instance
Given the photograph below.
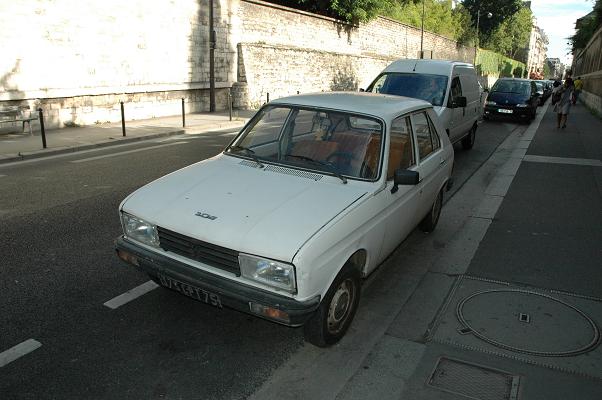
(457, 118)
(401, 205)
(431, 159)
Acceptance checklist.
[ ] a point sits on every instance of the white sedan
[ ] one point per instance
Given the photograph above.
(309, 198)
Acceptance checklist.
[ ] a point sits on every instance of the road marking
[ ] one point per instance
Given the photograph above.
(131, 295)
(18, 351)
(563, 160)
(125, 152)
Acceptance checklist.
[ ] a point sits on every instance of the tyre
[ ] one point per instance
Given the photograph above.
(336, 311)
(468, 141)
(429, 222)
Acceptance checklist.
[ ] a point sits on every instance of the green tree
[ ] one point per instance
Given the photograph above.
(352, 11)
(511, 37)
(500, 11)
(438, 16)
(586, 27)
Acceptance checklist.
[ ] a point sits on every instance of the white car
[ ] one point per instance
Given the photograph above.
(451, 87)
(311, 196)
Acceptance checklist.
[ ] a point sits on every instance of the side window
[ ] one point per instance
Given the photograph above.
(456, 89)
(426, 135)
(401, 153)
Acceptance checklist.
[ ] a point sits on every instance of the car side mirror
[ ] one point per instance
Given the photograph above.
(459, 102)
(404, 177)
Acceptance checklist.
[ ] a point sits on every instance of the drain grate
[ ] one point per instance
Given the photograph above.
(474, 381)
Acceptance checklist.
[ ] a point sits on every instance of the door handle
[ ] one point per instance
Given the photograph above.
(443, 161)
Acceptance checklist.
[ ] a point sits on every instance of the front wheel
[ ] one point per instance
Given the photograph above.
(336, 311)
(468, 141)
(429, 222)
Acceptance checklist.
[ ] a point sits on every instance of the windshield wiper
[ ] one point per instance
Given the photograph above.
(331, 167)
(249, 152)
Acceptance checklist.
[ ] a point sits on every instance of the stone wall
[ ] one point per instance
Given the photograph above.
(283, 51)
(78, 59)
(587, 64)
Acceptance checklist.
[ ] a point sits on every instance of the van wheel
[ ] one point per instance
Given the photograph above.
(468, 141)
(336, 311)
(429, 222)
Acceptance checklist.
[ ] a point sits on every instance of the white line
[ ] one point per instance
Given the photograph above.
(563, 160)
(126, 152)
(18, 351)
(131, 295)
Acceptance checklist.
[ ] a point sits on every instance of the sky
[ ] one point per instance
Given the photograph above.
(557, 19)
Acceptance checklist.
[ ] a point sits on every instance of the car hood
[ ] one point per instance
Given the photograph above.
(269, 212)
(510, 99)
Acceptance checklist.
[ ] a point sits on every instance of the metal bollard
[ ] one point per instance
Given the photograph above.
(42, 130)
(122, 119)
(297, 92)
(268, 95)
(230, 104)
(183, 115)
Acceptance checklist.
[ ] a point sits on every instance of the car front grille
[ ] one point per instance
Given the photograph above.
(194, 249)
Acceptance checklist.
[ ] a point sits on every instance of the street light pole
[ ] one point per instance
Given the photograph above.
(422, 33)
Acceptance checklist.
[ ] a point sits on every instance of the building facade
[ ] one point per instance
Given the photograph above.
(538, 47)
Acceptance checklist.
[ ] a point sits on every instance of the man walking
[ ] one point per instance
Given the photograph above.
(578, 86)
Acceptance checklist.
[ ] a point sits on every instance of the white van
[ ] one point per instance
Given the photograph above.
(450, 86)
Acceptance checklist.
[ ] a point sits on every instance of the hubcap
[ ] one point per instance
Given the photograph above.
(340, 305)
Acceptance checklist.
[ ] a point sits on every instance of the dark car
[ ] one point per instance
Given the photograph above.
(544, 89)
(512, 98)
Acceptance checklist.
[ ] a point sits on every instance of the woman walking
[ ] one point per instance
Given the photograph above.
(563, 106)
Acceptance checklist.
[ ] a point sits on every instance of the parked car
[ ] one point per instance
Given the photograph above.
(311, 196)
(450, 86)
(512, 98)
(544, 89)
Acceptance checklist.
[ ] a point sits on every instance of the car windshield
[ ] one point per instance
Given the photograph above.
(426, 87)
(332, 142)
(519, 87)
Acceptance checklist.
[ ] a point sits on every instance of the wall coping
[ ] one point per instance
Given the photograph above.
(296, 11)
(312, 50)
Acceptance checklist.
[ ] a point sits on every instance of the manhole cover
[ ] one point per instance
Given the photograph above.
(474, 381)
(528, 322)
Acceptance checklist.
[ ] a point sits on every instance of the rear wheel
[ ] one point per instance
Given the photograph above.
(429, 222)
(468, 141)
(336, 311)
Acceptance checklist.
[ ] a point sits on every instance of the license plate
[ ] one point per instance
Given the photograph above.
(504, 111)
(191, 291)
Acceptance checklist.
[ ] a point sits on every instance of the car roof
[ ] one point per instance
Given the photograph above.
(425, 66)
(376, 104)
(515, 79)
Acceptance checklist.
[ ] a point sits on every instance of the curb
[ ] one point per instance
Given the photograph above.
(29, 155)
(64, 150)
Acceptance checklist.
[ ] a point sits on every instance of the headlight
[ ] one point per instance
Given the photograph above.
(269, 272)
(522, 105)
(490, 103)
(139, 230)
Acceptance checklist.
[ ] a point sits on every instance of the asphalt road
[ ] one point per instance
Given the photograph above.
(58, 220)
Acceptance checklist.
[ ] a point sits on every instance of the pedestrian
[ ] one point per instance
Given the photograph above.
(563, 106)
(578, 87)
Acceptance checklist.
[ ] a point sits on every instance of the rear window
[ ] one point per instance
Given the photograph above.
(426, 87)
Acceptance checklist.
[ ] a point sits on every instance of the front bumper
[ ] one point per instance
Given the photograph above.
(517, 112)
(233, 294)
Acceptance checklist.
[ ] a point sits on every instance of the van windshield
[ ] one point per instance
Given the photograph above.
(426, 87)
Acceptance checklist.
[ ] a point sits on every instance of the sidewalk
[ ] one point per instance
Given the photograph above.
(516, 255)
(21, 146)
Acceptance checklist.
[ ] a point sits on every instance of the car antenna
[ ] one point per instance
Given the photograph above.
(414, 70)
